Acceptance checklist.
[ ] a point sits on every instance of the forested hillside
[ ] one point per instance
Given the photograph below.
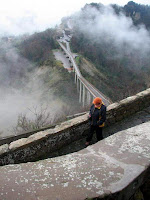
(38, 47)
(19, 55)
(140, 13)
(117, 47)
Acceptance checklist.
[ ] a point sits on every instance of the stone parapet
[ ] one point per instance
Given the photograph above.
(37, 145)
(126, 107)
(11, 138)
(41, 143)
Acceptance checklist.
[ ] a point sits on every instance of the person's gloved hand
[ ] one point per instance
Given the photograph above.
(89, 117)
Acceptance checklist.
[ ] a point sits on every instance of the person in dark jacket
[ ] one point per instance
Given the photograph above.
(97, 117)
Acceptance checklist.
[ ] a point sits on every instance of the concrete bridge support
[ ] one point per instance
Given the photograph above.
(77, 84)
(89, 98)
(75, 76)
(84, 96)
(80, 93)
(73, 69)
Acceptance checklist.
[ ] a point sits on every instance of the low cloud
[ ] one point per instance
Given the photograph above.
(28, 23)
(107, 27)
(22, 90)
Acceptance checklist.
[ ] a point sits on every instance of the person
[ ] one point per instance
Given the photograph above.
(97, 117)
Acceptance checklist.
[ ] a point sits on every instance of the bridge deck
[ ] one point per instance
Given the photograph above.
(95, 92)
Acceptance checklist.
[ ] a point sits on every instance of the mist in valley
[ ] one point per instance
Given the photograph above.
(27, 92)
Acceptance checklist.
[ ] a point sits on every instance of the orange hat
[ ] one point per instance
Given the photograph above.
(97, 100)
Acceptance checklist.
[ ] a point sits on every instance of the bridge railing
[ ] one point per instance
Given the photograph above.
(87, 92)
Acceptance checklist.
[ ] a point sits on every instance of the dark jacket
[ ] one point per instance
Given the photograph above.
(98, 116)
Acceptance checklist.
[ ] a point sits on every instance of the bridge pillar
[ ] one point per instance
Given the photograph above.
(80, 93)
(75, 77)
(73, 67)
(89, 98)
(83, 97)
(77, 84)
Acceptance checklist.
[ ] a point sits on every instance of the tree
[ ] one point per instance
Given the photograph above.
(40, 118)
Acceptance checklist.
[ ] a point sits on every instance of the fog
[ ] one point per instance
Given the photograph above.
(116, 31)
(32, 16)
(22, 90)
(18, 102)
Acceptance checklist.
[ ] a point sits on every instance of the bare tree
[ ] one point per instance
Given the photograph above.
(40, 118)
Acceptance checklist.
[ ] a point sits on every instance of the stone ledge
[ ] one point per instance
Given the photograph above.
(112, 168)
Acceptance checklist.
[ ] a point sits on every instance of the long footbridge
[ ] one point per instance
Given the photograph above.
(87, 92)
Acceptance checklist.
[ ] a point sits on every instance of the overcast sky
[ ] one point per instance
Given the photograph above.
(19, 16)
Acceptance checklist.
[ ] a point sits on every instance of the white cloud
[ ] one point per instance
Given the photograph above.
(108, 26)
(17, 17)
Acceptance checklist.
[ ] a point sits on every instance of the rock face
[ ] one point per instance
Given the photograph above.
(114, 167)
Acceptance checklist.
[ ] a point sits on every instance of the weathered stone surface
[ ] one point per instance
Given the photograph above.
(147, 109)
(144, 93)
(38, 136)
(113, 166)
(110, 119)
(76, 115)
(112, 107)
(17, 144)
(119, 117)
(3, 149)
(72, 122)
(129, 100)
(148, 89)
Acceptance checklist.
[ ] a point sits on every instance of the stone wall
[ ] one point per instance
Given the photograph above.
(37, 145)
(11, 138)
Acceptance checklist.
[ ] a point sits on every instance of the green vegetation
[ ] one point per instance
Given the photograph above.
(78, 60)
(139, 13)
(38, 46)
(121, 81)
(94, 76)
(23, 54)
